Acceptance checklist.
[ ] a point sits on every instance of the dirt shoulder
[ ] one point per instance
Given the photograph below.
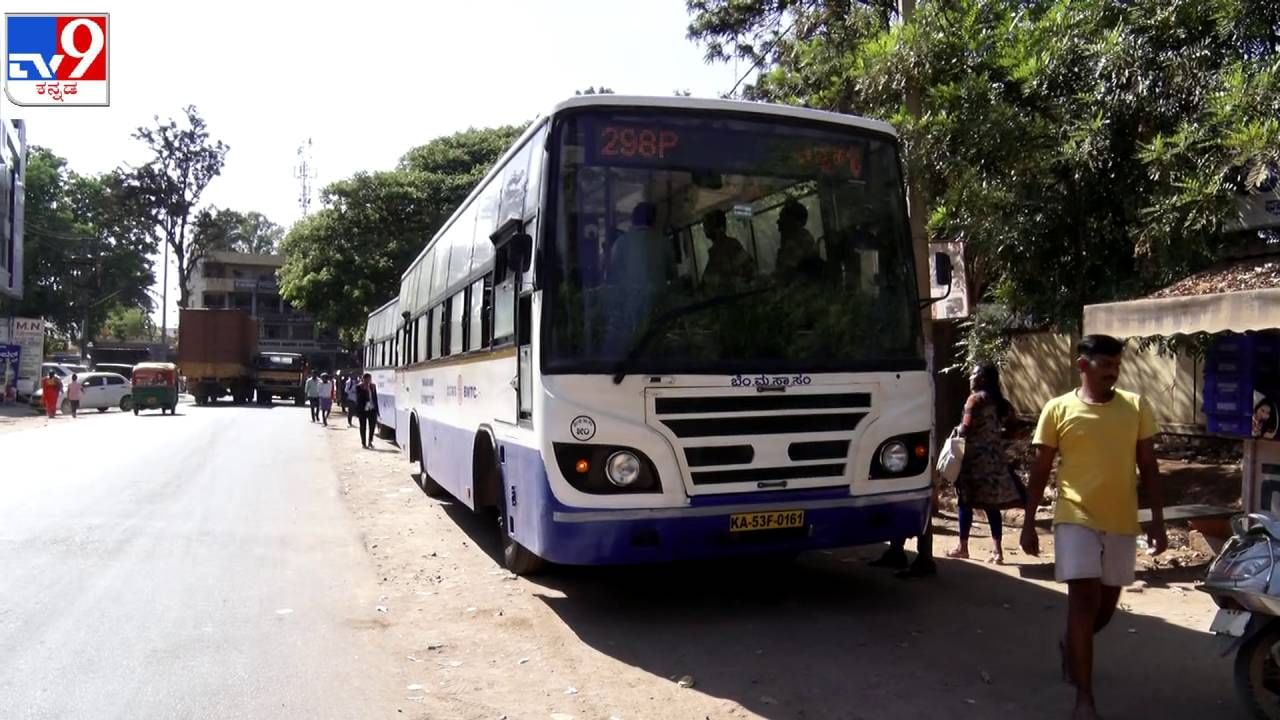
(826, 637)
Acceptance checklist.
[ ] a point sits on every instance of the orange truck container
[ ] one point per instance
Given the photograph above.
(215, 353)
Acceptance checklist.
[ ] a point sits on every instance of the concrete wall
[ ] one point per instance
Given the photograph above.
(1040, 366)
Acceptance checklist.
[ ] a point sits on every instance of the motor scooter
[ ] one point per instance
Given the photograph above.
(1244, 582)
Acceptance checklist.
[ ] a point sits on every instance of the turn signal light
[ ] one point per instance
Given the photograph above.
(921, 451)
(582, 466)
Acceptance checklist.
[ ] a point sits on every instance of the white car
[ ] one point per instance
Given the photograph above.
(101, 391)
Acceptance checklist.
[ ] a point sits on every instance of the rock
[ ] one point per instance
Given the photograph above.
(768, 700)
(685, 682)
(986, 676)
(435, 645)
(571, 691)
(414, 686)
(382, 609)
(1133, 631)
(561, 716)
(970, 701)
(522, 661)
(1136, 587)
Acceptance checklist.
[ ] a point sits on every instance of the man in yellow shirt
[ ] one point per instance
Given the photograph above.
(1101, 435)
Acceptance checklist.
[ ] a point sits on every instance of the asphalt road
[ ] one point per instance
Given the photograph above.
(198, 565)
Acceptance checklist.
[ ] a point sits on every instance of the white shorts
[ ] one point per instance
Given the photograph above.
(1082, 553)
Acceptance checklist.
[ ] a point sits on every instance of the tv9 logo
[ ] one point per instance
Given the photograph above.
(57, 59)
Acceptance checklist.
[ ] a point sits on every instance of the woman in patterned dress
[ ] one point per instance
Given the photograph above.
(986, 480)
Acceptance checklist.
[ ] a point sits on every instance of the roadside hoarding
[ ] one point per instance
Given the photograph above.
(9, 359)
(28, 333)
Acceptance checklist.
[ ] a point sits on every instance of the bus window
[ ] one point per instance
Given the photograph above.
(457, 307)
(476, 336)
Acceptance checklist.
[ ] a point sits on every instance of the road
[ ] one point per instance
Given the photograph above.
(200, 565)
(244, 563)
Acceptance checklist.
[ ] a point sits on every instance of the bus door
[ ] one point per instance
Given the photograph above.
(512, 315)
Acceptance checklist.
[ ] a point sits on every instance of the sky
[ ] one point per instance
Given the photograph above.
(364, 81)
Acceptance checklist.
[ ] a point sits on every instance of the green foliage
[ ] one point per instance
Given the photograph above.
(1084, 150)
(128, 324)
(251, 232)
(985, 338)
(184, 160)
(592, 90)
(345, 260)
(85, 243)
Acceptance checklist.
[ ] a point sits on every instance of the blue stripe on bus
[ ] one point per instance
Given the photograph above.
(593, 536)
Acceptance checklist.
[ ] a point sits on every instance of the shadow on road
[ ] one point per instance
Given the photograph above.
(829, 637)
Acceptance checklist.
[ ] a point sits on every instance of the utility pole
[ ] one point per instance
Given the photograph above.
(304, 172)
(164, 298)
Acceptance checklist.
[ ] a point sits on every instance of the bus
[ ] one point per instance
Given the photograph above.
(381, 357)
(672, 328)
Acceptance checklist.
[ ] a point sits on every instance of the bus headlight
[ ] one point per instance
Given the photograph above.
(894, 457)
(623, 468)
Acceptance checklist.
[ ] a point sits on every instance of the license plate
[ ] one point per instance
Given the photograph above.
(1230, 622)
(775, 520)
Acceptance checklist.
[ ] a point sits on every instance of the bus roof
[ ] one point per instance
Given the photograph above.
(385, 306)
(645, 101)
(755, 108)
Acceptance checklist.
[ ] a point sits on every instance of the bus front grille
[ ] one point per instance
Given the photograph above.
(744, 439)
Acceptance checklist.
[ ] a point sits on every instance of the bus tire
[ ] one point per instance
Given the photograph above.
(516, 557)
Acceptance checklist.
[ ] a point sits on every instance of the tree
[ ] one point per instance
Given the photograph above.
(1084, 150)
(346, 259)
(592, 90)
(184, 162)
(87, 247)
(128, 324)
(251, 232)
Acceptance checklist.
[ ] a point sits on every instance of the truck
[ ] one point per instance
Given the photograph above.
(280, 375)
(216, 350)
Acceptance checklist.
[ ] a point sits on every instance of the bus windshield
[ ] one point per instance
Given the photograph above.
(703, 242)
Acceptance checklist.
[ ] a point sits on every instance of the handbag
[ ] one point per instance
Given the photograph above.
(951, 456)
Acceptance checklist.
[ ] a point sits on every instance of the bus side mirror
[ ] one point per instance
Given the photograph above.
(942, 269)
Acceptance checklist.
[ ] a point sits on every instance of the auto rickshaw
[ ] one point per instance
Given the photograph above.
(155, 385)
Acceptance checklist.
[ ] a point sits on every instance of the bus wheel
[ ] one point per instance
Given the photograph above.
(516, 557)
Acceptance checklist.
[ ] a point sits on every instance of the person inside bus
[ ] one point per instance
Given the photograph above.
(727, 261)
(797, 250)
(636, 273)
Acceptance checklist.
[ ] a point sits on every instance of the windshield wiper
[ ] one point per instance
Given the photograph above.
(664, 320)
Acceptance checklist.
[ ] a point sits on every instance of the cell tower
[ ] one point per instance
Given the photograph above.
(304, 172)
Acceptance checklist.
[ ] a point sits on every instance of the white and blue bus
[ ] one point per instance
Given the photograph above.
(381, 358)
(668, 328)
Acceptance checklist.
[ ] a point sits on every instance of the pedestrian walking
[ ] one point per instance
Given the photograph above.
(367, 402)
(312, 390)
(1100, 434)
(326, 398)
(50, 392)
(349, 394)
(986, 480)
(75, 390)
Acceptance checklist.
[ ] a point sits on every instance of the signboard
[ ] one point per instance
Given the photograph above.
(1254, 212)
(9, 357)
(956, 304)
(28, 333)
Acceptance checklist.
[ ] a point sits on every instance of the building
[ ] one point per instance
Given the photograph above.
(243, 281)
(13, 171)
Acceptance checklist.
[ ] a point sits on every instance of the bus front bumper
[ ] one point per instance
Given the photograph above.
(599, 537)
